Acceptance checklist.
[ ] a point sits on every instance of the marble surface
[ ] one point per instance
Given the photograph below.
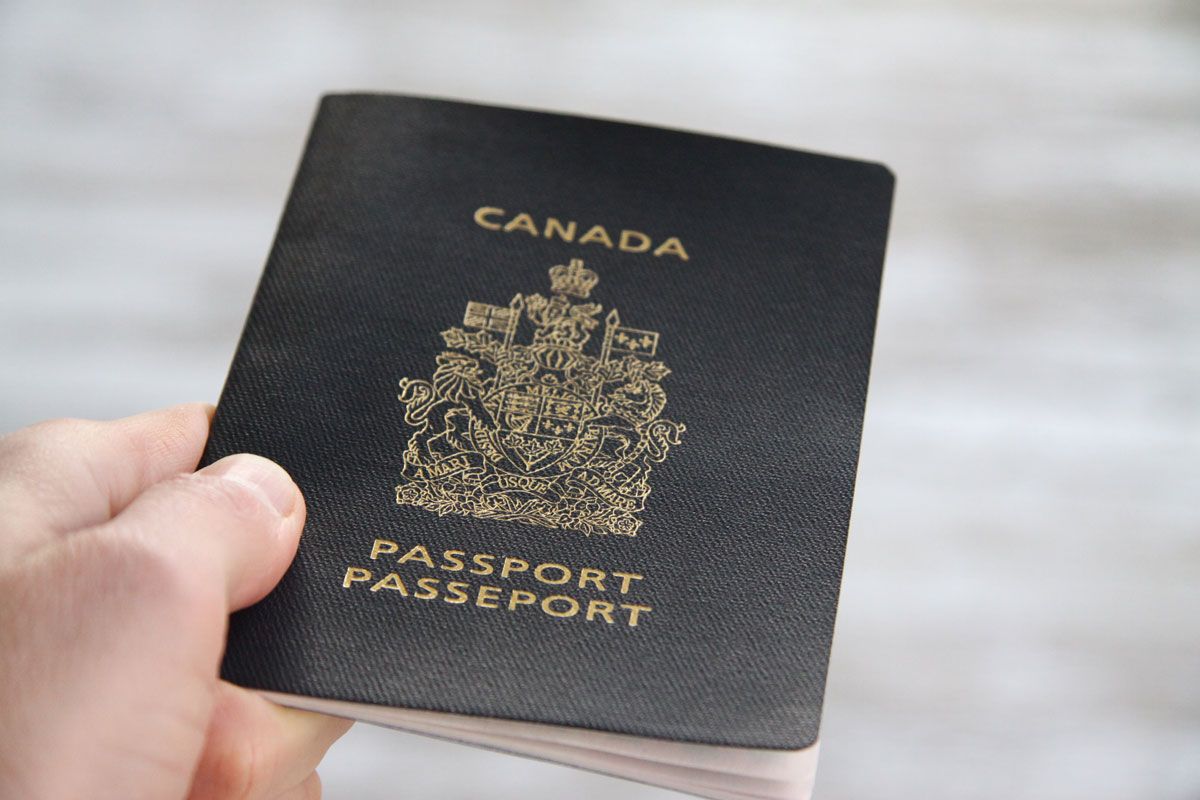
(1021, 608)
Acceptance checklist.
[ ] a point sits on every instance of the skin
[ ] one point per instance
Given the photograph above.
(119, 566)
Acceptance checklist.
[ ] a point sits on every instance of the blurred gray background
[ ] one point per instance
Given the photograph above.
(1021, 607)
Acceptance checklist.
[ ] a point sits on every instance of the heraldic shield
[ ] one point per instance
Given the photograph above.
(540, 433)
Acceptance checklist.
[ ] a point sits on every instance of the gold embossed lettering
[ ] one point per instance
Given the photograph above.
(553, 227)
(418, 553)
(428, 588)
(455, 563)
(596, 233)
(393, 582)
(487, 596)
(633, 613)
(355, 575)
(672, 246)
(383, 547)
(455, 593)
(512, 565)
(482, 214)
(572, 606)
(593, 576)
(521, 222)
(629, 240)
(539, 572)
(634, 242)
(626, 579)
(485, 567)
(600, 608)
(520, 597)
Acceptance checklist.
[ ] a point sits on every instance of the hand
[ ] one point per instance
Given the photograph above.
(118, 569)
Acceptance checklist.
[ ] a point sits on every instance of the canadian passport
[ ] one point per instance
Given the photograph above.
(576, 408)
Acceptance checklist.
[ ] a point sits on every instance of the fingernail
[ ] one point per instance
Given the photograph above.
(260, 473)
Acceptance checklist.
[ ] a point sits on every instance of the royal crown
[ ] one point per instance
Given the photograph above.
(573, 279)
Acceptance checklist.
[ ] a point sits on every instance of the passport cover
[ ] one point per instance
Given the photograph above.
(576, 409)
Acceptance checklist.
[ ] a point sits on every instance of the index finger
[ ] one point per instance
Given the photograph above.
(63, 475)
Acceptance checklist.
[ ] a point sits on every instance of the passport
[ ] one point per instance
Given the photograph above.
(576, 409)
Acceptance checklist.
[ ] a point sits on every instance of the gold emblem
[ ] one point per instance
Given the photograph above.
(540, 433)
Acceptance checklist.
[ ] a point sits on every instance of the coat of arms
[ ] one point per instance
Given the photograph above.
(540, 433)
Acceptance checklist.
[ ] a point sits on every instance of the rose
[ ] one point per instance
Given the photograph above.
(409, 494)
(625, 525)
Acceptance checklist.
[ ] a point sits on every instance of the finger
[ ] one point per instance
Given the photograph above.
(309, 789)
(233, 527)
(121, 626)
(69, 474)
(257, 749)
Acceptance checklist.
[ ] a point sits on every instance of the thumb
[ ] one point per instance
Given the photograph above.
(236, 522)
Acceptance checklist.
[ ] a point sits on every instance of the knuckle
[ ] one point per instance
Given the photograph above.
(141, 565)
(232, 768)
(144, 587)
(311, 788)
(51, 454)
(174, 431)
(44, 437)
(62, 426)
(65, 429)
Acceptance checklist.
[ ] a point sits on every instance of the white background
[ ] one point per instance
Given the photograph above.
(1021, 608)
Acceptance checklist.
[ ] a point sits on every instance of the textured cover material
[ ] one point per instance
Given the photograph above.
(618, 372)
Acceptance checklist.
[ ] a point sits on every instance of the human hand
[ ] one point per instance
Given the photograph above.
(118, 569)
